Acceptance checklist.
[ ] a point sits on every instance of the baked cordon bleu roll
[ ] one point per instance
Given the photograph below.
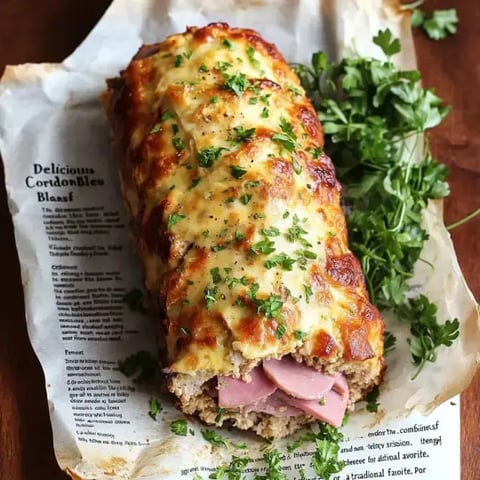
(235, 215)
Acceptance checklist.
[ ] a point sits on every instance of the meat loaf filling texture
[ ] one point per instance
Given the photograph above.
(235, 215)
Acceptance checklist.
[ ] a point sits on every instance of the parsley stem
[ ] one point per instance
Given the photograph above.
(419, 369)
(463, 220)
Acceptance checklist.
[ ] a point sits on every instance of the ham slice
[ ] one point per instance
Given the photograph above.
(274, 405)
(286, 388)
(330, 410)
(340, 384)
(297, 379)
(233, 392)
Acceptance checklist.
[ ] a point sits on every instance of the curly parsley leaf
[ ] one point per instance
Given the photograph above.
(214, 438)
(389, 45)
(142, 366)
(154, 408)
(232, 471)
(237, 83)
(428, 334)
(208, 156)
(179, 427)
(242, 135)
(173, 219)
(437, 24)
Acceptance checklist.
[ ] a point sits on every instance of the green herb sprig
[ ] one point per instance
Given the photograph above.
(373, 114)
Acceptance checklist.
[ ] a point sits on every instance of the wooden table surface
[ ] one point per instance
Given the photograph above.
(48, 31)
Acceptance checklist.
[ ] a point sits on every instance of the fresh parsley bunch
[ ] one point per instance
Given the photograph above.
(373, 115)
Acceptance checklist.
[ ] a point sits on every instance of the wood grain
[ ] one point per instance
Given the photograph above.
(50, 31)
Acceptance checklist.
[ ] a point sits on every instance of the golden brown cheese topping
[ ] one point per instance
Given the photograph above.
(235, 207)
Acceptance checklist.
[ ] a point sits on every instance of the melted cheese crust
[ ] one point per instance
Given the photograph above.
(235, 209)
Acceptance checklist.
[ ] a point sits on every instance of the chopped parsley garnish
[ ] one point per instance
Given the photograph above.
(155, 408)
(232, 281)
(179, 427)
(264, 99)
(208, 156)
(317, 152)
(186, 301)
(245, 199)
(239, 236)
(242, 135)
(166, 115)
(178, 60)
(255, 183)
(232, 471)
(271, 307)
(223, 66)
(173, 219)
(218, 248)
(228, 44)
(250, 51)
(306, 253)
(274, 468)
(156, 128)
(210, 295)
(296, 232)
(265, 246)
(215, 438)
(308, 293)
(237, 83)
(281, 260)
(215, 273)
(194, 183)
(371, 399)
(237, 171)
(188, 55)
(134, 300)
(385, 190)
(287, 138)
(205, 233)
(325, 460)
(270, 232)
(142, 366)
(280, 331)
(203, 68)
(286, 141)
(265, 113)
(253, 100)
(214, 99)
(229, 200)
(299, 335)
(178, 144)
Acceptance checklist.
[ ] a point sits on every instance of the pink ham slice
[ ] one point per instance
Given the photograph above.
(330, 410)
(297, 379)
(274, 405)
(237, 393)
(340, 384)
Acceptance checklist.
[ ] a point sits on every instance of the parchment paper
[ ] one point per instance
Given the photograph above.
(77, 265)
